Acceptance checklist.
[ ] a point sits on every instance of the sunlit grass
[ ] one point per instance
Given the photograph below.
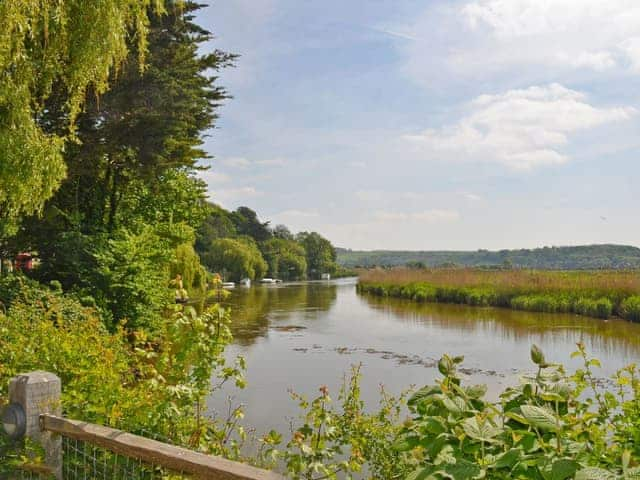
(592, 293)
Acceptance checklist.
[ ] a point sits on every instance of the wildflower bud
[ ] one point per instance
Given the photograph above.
(537, 356)
(445, 365)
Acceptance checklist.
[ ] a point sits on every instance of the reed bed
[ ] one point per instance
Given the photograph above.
(592, 293)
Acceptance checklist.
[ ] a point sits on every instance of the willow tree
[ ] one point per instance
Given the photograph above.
(72, 47)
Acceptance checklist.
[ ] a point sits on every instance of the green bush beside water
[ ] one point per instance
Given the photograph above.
(593, 304)
(630, 308)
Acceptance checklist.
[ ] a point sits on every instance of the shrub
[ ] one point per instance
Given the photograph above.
(599, 308)
(542, 429)
(630, 308)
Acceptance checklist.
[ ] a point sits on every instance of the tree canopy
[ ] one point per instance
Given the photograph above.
(288, 257)
(69, 48)
(123, 221)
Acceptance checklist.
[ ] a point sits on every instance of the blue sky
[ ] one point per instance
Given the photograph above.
(432, 124)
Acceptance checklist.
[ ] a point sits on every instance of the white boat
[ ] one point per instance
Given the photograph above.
(267, 280)
(228, 285)
(245, 282)
(326, 276)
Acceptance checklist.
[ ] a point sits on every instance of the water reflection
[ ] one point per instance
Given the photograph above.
(612, 337)
(254, 309)
(300, 336)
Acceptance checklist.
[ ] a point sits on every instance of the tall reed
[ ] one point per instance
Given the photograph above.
(592, 293)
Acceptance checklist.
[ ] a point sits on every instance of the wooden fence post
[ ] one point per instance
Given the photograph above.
(38, 393)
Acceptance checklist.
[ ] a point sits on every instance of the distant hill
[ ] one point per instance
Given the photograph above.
(566, 258)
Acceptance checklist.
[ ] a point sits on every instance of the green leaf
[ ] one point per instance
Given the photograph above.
(508, 459)
(476, 391)
(454, 405)
(433, 425)
(563, 469)
(592, 473)
(463, 470)
(483, 431)
(423, 393)
(537, 356)
(405, 443)
(421, 474)
(539, 417)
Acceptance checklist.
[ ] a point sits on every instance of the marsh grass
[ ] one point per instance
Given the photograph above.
(591, 293)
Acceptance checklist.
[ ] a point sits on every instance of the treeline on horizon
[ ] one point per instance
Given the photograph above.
(587, 257)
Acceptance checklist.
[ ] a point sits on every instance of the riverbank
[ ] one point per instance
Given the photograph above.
(599, 294)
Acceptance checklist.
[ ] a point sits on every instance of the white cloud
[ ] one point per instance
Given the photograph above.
(472, 197)
(242, 162)
(521, 40)
(297, 214)
(231, 197)
(235, 162)
(212, 177)
(521, 129)
(428, 216)
(272, 162)
(370, 195)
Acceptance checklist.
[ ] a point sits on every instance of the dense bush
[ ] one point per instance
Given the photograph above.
(630, 308)
(542, 429)
(126, 379)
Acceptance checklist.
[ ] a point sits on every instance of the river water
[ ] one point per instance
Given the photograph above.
(300, 336)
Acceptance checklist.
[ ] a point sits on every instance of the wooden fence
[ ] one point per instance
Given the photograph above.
(75, 449)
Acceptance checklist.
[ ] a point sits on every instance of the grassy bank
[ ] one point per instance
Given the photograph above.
(598, 294)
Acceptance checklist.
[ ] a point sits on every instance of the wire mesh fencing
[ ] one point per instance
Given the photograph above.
(83, 461)
(80, 461)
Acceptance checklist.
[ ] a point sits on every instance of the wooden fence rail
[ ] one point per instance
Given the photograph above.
(37, 396)
(153, 452)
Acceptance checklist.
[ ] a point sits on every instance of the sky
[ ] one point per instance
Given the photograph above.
(424, 125)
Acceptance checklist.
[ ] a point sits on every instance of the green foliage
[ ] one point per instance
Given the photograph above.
(542, 429)
(122, 223)
(235, 259)
(534, 297)
(321, 255)
(131, 276)
(630, 308)
(68, 46)
(187, 265)
(129, 380)
(246, 223)
(338, 442)
(286, 259)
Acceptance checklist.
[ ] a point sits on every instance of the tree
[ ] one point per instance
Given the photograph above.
(132, 177)
(321, 255)
(217, 224)
(144, 128)
(235, 259)
(286, 259)
(47, 45)
(247, 223)
(283, 232)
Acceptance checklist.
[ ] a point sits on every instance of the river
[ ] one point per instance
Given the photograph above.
(300, 336)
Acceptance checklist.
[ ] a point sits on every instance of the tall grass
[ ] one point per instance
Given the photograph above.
(597, 293)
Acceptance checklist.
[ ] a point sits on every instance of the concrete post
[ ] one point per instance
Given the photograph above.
(37, 393)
